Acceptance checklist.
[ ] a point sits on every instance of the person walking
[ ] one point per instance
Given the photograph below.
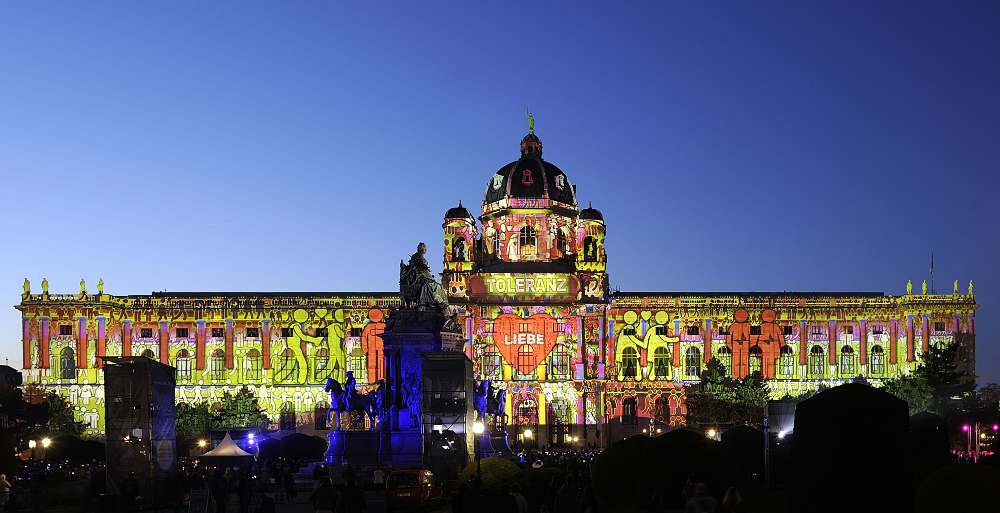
(325, 496)
(568, 498)
(220, 489)
(352, 500)
(520, 503)
(378, 478)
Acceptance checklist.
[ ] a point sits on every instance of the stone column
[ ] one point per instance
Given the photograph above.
(81, 343)
(925, 339)
(126, 338)
(199, 357)
(229, 343)
(708, 340)
(910, 356)
(165, 342)
(893, 340)
(26, 341)
(677, 345)
(101, 341)
(803, 342)
(833, 342)
(265, 342)
(44, 350)
(864, 342)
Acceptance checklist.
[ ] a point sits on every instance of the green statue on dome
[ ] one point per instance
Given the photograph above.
(531, 122)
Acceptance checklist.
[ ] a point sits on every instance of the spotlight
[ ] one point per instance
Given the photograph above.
(965, 427)
(31, 444)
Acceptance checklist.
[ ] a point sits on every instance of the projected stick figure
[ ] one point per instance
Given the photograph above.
(770, 341)
(739, 341)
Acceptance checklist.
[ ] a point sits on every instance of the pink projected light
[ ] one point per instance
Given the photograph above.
(965, 427)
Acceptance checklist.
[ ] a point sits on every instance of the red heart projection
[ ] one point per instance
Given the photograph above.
(525, 343)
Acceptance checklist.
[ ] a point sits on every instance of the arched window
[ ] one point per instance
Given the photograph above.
(458, 253)
(589, 249)
(559, 411)
(321, 365)
(847, 367)
(561, 249)
(786, 363)
(692, 363)
(491, 363)
(252, 365)
(526, 412)
(756, 359)
(217, 365)
(359, 365)
(527, 241)
(148, 353)
(726, 358)
(876, 362)
(630, 363)
(286, 421)
(630, 411)
(67, 363)
(525, 363)
(661, 363)
(817, 362)
(497, 245)
(557, 366)
(183, 364)
(288, 367)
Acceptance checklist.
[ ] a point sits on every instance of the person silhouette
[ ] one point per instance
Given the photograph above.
(739, 341)
(770, 341)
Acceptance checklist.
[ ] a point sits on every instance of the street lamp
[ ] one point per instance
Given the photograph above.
(527, 437)
(32, 444)
(478, 428)
(46, 442)
(711, 433)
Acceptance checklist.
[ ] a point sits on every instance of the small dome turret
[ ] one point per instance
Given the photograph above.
(458, 212)
(591, 214)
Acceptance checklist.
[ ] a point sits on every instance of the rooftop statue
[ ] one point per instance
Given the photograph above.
(45, 285)
(27, 288)
(970, 287)
(100, 286)
(909, 286)
(956, 288)
(417, 287)
(924, 288)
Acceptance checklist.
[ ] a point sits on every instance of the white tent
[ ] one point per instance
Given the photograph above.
(227, 448)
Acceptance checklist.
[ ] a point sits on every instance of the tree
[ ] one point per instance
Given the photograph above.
(720, 399)
(26, 419)
(62, 420)
(240, 410)
(914, 390)
(192, 421)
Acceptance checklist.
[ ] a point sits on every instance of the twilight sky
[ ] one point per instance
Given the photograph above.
(245, 146)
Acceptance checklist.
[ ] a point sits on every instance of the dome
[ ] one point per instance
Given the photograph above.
(458, 212)
(530, 177)
(591, 213)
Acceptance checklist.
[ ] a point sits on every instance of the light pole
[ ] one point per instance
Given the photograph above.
(527, 438)
(477, 428)
(968, 440)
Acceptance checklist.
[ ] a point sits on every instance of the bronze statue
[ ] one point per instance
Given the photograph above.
(531, 122)
(417, 287)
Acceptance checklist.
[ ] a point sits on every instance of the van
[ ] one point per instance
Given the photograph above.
(412, 489)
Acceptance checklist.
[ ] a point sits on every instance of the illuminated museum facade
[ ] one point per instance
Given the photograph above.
(529, 277)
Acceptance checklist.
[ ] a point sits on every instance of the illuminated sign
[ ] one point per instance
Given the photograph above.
(525, 342)
(526, 287)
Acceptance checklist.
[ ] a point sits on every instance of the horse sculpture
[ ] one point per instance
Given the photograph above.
(347, 399)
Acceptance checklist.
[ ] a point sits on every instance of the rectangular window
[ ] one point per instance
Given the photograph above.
(523, 327)
(661, 330)
(356, 332)
(939, 326)
(693, 330)
(146, 333)
(286, 332)
(786, 330)
(219, 333)
(184, 368)
(66, 329)
(558, 327)
(322, 332)
(253, 332)
(817, 330)
(755, 330)
(849, 330)
(182, 333)
(723, 331)
(877, 330)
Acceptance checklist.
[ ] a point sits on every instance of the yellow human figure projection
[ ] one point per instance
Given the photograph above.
(335, 332)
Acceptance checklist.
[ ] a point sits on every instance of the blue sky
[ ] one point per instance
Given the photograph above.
(309, 146)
